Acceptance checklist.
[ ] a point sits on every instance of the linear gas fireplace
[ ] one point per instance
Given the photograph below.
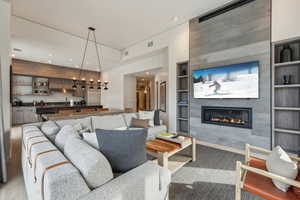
(227, 116)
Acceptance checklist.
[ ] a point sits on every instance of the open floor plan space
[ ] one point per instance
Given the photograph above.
(149, 100)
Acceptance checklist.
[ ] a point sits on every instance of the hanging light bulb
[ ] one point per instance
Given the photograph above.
(74, 86)
(91, 84)
(105, 85)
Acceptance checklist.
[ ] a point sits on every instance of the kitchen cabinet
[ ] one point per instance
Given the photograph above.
(79, 92)
(59, 84)
(24, 115)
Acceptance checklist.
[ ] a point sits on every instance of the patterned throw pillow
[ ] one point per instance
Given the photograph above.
(147, 115)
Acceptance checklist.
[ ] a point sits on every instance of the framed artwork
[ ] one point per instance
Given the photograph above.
(163, 96)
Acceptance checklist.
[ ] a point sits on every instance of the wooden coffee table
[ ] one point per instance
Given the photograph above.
(166, 153)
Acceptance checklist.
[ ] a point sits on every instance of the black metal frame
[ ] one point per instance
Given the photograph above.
(247, 126)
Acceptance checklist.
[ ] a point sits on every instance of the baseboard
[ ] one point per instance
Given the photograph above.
(221, 147)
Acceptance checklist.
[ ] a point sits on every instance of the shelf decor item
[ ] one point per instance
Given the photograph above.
(287, 79)
(286, 54)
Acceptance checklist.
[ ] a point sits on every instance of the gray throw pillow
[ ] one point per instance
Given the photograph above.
(50, 129)
(91, 163)
(156, 118)
(125, 149)
(64, 135)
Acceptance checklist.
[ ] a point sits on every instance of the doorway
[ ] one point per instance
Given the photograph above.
(145, 96)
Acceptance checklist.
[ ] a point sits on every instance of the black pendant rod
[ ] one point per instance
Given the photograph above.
(84, 54)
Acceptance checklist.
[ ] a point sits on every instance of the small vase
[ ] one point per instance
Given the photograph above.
(286, 54)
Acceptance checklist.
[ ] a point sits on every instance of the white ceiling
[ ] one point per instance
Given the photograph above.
(51, 26)
(41, 44)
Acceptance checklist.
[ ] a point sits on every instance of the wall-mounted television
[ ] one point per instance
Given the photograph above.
(231, 81)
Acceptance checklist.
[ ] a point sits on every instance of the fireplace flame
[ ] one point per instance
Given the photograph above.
(226, 120)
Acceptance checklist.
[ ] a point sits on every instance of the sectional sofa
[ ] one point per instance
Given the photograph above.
(50, 175)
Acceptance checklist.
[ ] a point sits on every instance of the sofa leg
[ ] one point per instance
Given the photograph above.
(238, 181)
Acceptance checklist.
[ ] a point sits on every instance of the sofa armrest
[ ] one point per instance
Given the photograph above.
(146, 182)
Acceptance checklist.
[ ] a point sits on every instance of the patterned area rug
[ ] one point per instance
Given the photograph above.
(211, 177)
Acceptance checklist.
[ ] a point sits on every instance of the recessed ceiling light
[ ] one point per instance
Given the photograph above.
(175, 19)
(13, 55)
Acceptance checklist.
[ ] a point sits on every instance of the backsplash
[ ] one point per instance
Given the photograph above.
(54, 97)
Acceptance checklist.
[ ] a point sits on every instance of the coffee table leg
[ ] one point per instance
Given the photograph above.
(163, 160)
(194, 149)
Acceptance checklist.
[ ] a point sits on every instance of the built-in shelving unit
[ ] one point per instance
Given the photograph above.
(183, 98)
(286, 95)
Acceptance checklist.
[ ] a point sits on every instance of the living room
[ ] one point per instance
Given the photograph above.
(197, 100)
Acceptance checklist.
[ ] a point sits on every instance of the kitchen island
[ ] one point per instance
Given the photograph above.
(82, 114)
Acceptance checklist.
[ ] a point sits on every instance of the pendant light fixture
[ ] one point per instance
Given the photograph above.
(91, 82)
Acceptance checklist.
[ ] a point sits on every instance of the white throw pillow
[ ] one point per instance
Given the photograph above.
(147, 115)
(91, 163)
(278, 162)
(91, 139)
(64, 135)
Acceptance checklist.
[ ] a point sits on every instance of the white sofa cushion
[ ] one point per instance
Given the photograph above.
(278, 162)
(91, 139)
(64, 135)
(109, 122)
(92, 164)
(147, 115)
(50, 128)
(85, 123)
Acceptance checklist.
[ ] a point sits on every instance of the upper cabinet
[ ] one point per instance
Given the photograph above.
(28, 68)
(285, 16)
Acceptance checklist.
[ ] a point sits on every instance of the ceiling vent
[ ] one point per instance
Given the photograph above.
(150, 44)
(126, 53)
(17, 50)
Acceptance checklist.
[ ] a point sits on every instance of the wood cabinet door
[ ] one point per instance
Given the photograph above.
(18, 116)
(29, 115)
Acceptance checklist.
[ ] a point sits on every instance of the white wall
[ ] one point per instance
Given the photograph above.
(5, 10)
(130, 91)
(177, 43)
(285, 16)
(114, 96)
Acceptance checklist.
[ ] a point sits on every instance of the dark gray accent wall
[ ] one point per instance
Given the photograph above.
(238, 36)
